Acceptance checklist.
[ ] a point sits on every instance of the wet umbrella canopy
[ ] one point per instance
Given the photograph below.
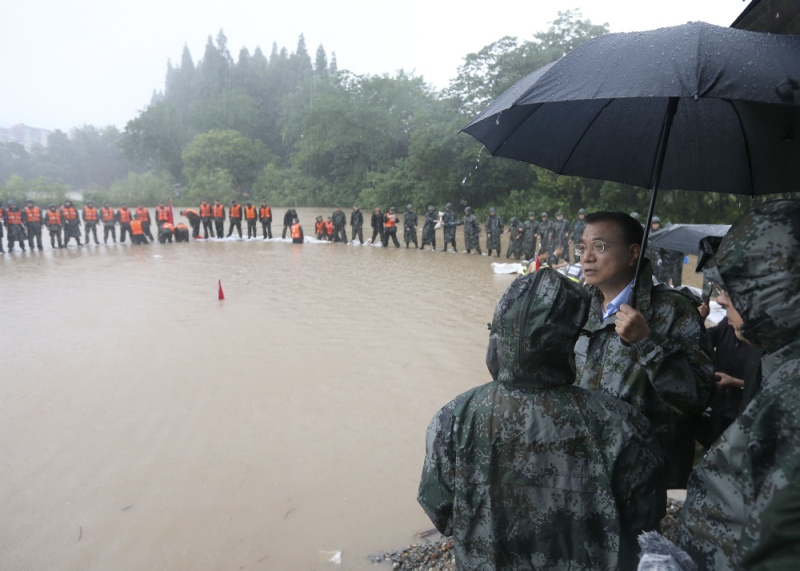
(686, 237)
(691, 107)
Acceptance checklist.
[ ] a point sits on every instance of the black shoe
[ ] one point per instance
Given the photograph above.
(454, 250)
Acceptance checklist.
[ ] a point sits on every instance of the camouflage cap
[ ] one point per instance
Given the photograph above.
(535, 327)
(492, 209)
(582, 211)
(544, 214)
(448, 205)
(758, 264)
(409, 207)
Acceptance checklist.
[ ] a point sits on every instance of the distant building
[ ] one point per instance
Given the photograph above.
(24, 135)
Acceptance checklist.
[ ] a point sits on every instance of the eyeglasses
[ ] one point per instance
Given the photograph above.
(596, 246)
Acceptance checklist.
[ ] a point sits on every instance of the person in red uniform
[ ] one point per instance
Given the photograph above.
(124, 218)
(90, 218)
(297, 232)
(329, 229)
(205, 218)
(235, 218)
(143, 215)
(33, 222)
(109, 222)
(320, 228)
(251, 216)
(72, 224)
(14, 228)
(265, 215)
(52, 217)
(219, 217)
(162, 214)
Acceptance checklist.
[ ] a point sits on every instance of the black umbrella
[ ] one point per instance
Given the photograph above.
(685, 237)
(691, 107)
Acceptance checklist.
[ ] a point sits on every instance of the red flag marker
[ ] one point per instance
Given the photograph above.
(171, 218)
(537, 267)
(221, 295)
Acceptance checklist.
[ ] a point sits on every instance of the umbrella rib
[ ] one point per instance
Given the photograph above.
(746, 148)
(583, 134)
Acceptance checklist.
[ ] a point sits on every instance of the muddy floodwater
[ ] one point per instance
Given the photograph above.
(144, 424)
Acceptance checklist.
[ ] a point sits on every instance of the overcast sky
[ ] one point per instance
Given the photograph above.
(67, 63)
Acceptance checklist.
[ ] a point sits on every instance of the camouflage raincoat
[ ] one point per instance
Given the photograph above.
(530, 471)
(731, 515)
(667, 376)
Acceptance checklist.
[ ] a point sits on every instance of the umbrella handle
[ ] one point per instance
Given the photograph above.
(655, 176)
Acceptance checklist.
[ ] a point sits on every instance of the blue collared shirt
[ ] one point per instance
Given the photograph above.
(615, 303)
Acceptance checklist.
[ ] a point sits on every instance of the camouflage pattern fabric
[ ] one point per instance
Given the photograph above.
(667, 376)
(472, 232)
(515, 240)
(577, 230)
(545, 232)
(530, 471)
(449, 224)
(494, 226)
(732, 495)
(529, 238)
(559, 228)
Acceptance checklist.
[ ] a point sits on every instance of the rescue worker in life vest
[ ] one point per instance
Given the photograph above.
(181, 232)
(137, 232)
(390, 228)
(16, 232)
(235, 218)
(219, 217)
(72, 224)
(194, 220)
(52, 217)
(165, 233)
(124, 218)
(265, 215)
(143, 215)
(251, 216)
(297, 232)
(205, 217)
(109, 222)
(162, 214)
(90, 218)
(33, 222)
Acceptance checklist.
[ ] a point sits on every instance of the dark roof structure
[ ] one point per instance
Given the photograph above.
(773, 16)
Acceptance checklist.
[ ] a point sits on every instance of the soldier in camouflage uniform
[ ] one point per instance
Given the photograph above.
(494, 229)
(656, 357)
(472, 231)
(429, 228)
(734, 513)
(530, 471)
(515, 237)
(529, 238)
(449, 224)
(545, 234)
(561, 229)
(577, 230)
(410, 220)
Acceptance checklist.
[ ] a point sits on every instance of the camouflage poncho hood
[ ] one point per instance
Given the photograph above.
(755, 265)
(534, 330)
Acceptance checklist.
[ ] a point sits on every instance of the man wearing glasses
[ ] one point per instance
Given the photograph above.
(655, 353)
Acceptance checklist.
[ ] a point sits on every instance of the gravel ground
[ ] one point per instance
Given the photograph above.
(437, 553)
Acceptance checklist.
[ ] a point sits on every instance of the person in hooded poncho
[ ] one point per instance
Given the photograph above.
(742, 506)
(530, 471)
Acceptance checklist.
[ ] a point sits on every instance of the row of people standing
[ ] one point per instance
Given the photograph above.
(212, 218)
(64, 223)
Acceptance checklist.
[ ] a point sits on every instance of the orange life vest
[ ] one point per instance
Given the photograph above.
(250, 212)
(90, 214)
(168, 226)
(136, 227)
(236, 211)
(182, 227)
(124, 215)
(329, 226)
(219, 211)
(390, 221)
(320, 227)
(33, 214)
(53, 217)
(107, 213)
(162, 213)
(265, 212)
(144, 215)
(205, 210)
(69, 213)
(296, 230)
(14, 217)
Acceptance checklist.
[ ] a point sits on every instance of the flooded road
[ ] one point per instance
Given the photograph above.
(146, 425)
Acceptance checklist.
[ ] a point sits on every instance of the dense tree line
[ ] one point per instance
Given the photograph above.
(299, 132)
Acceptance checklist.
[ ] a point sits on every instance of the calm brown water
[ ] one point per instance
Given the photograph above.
(146, 425)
